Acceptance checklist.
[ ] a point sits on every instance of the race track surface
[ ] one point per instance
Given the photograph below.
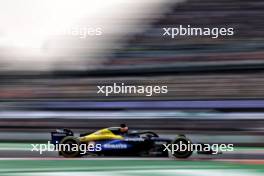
(24, 150)
(111, 167)
(17, 160)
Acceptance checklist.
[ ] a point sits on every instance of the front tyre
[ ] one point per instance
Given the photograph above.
(70, 147)
(181, 147)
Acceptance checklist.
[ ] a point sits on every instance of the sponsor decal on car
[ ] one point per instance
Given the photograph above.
(134, 139)
(115, 146)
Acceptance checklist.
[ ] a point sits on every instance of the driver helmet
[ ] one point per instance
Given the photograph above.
(123, 128)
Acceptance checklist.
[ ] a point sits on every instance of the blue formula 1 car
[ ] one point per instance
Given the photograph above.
(108, 142)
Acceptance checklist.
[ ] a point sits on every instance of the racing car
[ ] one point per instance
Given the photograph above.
(106, 142)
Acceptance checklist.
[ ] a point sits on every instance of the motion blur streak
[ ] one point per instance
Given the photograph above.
(29, 31)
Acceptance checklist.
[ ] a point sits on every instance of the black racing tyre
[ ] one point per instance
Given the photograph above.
(182, 140)
(70, 147)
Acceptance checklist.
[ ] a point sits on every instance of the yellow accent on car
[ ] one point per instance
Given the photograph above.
(103, 134)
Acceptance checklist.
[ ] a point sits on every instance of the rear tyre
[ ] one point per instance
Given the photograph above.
(180, 147)
(70, 147)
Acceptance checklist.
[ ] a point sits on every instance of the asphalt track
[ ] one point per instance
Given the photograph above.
(256, 154)
(17, 159)
(25, 150)
(128, 166)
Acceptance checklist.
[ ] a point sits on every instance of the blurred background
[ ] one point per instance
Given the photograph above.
(52, 58)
